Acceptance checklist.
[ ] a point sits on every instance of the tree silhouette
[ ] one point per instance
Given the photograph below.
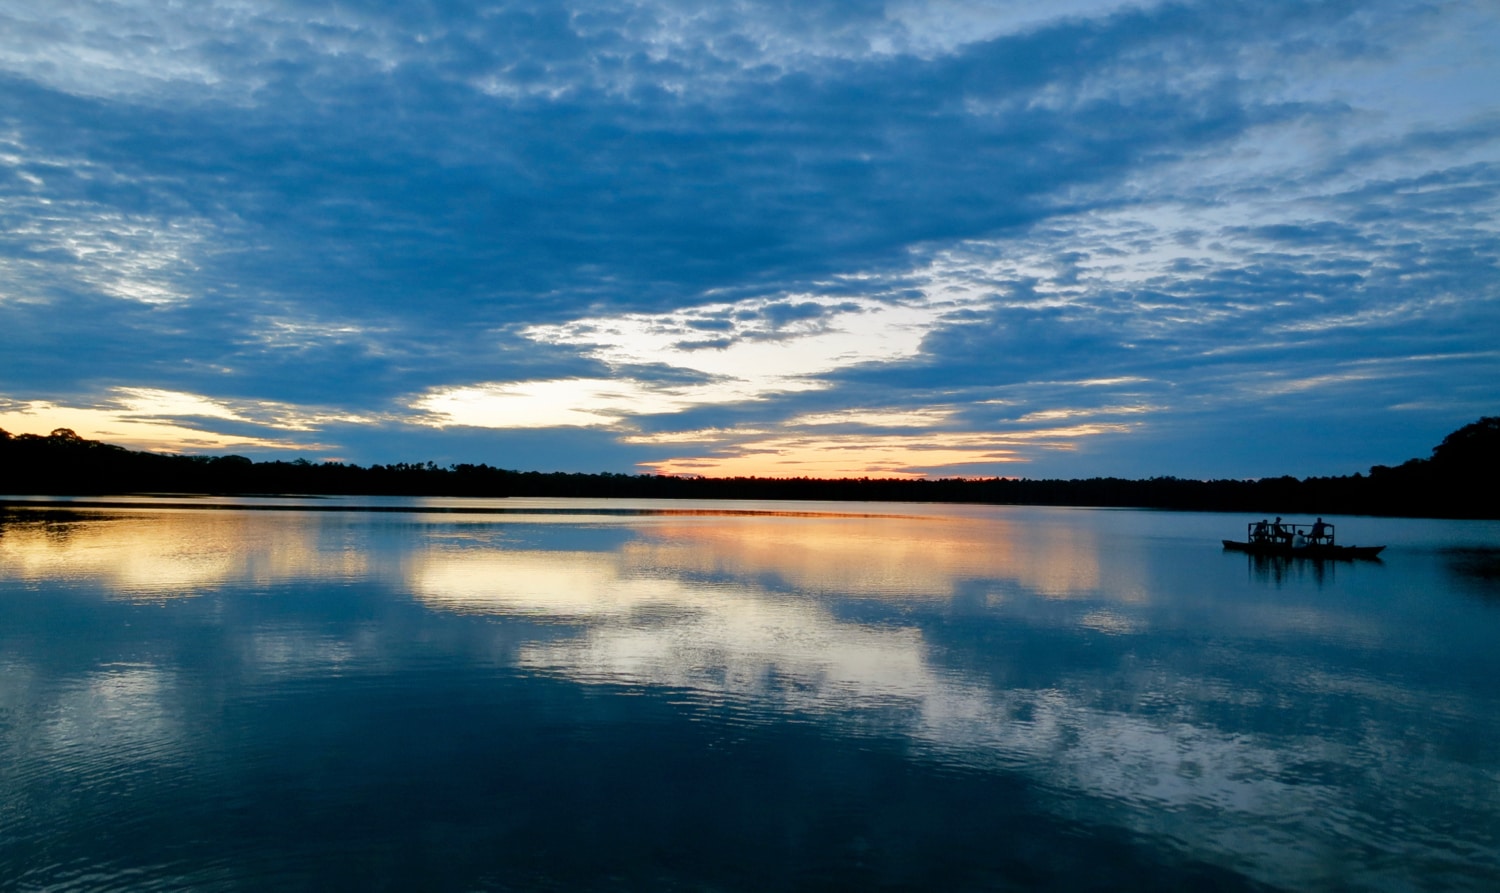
(1458, 481)
(1473, 449)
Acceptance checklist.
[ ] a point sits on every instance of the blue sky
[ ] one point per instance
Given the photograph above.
(943, 238)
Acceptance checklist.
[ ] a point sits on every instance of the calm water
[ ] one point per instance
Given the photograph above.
(819, 696)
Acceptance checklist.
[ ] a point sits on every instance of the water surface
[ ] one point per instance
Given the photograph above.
(555, 694)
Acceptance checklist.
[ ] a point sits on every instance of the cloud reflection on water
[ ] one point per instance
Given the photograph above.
(742, 610)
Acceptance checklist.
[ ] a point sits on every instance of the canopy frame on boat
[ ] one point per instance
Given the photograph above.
(1271, 532)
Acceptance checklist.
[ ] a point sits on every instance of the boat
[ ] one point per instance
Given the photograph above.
(1315, 541)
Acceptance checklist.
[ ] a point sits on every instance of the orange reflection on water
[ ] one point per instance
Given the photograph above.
(669, 561)
(914, 556)
(675, 560)
(171, 553)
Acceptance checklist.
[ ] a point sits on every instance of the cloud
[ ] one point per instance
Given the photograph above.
(912, 418)
(541, 404)
(172, 421)
(425, 178)
(825, 455)
(113, 426)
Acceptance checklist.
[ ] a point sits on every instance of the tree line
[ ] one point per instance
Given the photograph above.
(1457, 481)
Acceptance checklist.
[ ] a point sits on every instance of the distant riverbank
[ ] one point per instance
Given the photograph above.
(1458, 481)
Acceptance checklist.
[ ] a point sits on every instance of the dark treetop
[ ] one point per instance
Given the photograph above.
(1458, 481)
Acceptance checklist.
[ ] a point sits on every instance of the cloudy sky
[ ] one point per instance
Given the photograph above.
(971, 237)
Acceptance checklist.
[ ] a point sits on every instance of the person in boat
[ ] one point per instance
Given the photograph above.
(1260, 532)
(1279, 531)
(1319, 532)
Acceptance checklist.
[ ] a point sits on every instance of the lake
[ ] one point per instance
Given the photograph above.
(443, 694)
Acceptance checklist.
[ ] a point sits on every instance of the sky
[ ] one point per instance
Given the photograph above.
(888, 239)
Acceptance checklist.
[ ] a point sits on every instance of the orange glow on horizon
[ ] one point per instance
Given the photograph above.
(891, 456)
(896, 458)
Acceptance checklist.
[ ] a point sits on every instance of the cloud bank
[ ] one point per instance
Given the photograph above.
(1205, 239)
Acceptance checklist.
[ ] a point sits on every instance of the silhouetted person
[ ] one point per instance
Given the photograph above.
(1319, 531)
(1279, 532)
(1259, 533)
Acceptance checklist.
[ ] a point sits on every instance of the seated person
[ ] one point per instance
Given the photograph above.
(1320, 531)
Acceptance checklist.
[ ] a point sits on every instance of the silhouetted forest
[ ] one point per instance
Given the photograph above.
(1457, 481)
